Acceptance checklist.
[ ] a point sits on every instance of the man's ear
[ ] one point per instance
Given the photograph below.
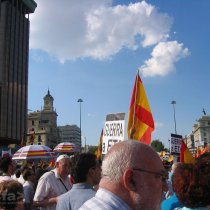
(128, 180)
(56, 164)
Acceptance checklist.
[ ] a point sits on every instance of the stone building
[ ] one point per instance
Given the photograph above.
(42, 125)
(14, 47)
(200, 135)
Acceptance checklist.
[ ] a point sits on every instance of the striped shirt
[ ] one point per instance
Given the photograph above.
(105, 200)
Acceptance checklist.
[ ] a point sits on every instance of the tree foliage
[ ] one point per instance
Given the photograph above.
(92, 149)
(157, 145)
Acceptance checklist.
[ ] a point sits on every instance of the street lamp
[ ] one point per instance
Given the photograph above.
(173, 103)
(85, 142)
(80, 101)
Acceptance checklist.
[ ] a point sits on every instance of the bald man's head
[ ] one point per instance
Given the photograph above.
(126, 154)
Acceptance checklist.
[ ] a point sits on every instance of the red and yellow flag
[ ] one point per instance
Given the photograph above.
(204, 150)
(185, 154)
(197, 152)
(140, 120)
(99, 149)
(32, 138)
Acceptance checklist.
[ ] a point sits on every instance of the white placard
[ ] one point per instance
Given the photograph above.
(114, 131)
(175, 144)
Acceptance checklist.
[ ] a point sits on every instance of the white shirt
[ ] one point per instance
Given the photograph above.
(50, 185)
(5, 178)
(28, 189)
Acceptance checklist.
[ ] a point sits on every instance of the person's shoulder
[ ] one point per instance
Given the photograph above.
(65, 196)
(26, 184)
(91, 192)
(5, 178)
(47, 175)
(186, 208)
(89, 204)
(63, 201)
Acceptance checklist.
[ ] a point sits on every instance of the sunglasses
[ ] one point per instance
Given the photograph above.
(163, 174)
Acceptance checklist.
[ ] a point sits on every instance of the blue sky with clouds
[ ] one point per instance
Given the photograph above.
(92, 50)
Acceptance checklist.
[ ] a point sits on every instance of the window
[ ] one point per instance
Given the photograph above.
(32, 122)
(39, 138)
(45, 121)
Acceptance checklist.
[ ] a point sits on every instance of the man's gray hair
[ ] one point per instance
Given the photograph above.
(120, 158)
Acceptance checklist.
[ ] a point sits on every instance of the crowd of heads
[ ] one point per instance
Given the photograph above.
(131, 170)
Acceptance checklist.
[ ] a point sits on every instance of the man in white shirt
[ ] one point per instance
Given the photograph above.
(52, 184)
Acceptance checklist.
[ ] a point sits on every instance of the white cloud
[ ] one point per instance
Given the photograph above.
(71, 29)
(163, 59)
(91, 115)
(37, 57)
(159, 125)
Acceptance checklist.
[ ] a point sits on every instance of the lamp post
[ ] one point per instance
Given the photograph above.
(173, 103)
(80, 101)
(85, 142)
(169, 145)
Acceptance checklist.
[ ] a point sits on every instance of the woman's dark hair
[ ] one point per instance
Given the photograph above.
(80, 166)
(26, 173)
(18, 173)
(4, 163)
(191, 183)
(11, 192)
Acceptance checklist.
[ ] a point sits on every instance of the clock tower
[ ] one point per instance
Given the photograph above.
(48, 102)
(43, 124)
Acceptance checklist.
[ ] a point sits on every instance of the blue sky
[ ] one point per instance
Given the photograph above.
(92, 50)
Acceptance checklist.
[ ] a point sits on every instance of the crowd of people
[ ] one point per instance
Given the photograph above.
(131, 176)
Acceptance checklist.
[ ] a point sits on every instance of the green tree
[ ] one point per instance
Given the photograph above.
(92, 149)
(157, 145)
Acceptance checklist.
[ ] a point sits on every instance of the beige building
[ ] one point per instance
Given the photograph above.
(200, 135)
(42, 125)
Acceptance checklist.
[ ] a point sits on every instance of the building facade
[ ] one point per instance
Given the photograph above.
(42, 125)
(14, 47)
(70, 133)
(200, 135)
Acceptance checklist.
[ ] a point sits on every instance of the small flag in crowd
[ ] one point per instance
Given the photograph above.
(197, 152)
(6, 153)
(99, 149)
(140, 120)
(32, 137)
(205, 149)
(185, 154)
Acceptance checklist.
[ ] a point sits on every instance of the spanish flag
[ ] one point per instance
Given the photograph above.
(32, 138)
(140, 120)
(99, 149)
(185, 154)
(197, 152)
(204, 150)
